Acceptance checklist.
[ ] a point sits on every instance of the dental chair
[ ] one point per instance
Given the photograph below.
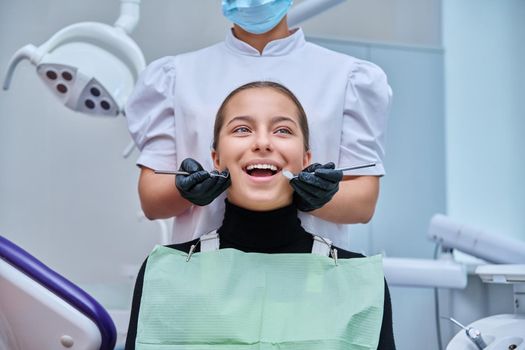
(40, 309)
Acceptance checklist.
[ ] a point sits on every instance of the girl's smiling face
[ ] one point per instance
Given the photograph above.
(260, 136)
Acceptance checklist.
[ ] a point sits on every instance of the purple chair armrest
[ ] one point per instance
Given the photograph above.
(76, 297)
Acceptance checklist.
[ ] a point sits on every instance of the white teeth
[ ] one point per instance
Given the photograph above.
(261, 166)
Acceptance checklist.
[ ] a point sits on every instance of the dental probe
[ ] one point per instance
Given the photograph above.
(178, 172)
(289, 175)
(472, 333)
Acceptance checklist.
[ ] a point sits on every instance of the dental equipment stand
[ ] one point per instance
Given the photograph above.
(499, 332)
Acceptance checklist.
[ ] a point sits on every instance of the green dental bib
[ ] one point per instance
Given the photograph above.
(228, 299)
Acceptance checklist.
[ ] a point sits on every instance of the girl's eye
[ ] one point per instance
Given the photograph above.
(283, 131)
(241, 130)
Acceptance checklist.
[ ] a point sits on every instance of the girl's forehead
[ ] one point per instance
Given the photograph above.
(261, 92)
(259, 99)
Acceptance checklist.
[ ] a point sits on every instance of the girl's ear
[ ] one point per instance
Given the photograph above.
(216, 160)
(307, 158)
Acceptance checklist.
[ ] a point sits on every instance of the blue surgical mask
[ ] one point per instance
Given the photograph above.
(256, 16)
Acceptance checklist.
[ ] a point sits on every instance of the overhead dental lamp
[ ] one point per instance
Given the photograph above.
(90, 67)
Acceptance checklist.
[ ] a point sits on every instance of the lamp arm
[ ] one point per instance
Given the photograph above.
(28, 52)
(129, 15)
(309, 8)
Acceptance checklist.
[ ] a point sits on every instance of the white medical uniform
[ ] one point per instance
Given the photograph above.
(172, 111)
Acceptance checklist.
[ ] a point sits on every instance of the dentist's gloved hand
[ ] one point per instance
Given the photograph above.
(200, 187)
(315, 186)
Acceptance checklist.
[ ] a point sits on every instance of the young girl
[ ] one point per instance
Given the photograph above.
(261, 130)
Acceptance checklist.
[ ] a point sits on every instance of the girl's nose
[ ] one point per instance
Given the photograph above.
(262, 143)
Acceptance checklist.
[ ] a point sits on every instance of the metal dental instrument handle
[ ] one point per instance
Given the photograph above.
(178, 172)
(289, 175)
(472, 333)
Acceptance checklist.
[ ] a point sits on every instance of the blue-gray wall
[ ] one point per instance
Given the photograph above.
(414, 186)
(485, 113)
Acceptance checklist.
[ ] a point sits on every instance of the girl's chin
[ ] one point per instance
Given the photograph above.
(259, 203)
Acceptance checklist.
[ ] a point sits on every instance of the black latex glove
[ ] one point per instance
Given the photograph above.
(200, 187)
(315, 186)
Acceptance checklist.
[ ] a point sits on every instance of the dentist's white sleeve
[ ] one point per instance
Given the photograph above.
(365, 114)
(150, 115)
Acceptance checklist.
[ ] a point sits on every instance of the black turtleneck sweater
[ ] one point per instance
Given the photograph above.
(276, 231)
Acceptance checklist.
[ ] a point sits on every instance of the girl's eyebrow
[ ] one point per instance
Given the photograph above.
(279, 119)
(246, 118)
(251, 119)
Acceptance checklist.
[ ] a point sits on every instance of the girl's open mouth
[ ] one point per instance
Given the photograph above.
(261, 170)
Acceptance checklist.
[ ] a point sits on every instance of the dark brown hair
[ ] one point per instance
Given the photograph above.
(303, 122)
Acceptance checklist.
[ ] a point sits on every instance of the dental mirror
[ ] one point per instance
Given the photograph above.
(289, 175)
(178, 172)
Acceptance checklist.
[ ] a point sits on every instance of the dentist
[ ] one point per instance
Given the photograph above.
(171, 112)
